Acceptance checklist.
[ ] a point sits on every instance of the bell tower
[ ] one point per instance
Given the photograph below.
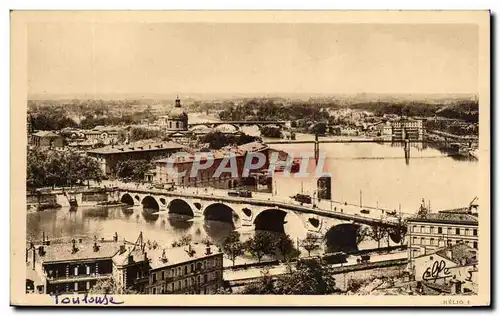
(177, 102)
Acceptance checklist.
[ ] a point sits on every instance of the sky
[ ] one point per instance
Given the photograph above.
(118, 58)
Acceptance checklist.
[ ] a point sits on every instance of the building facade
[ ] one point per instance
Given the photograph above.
(177, 119)
(47, 139)
(443, 229)
(454, 268)
(408, 129)
(192, 270)
(178, 171)
(71, 268)
(109, 156)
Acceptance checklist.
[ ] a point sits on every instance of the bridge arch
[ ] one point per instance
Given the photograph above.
(220, 212)
(271, 220)
(342, 237)
(150, 203)
(180, 206)
(127, 199)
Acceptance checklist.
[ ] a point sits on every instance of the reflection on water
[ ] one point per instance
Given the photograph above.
(379, 171)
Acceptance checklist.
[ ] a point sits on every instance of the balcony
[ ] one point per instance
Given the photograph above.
(78, 278)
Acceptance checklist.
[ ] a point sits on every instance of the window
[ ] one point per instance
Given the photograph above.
(432, 242)
(76, 286)
(169, 287)
(154, 290)
(87, 270)
(87, 285)
(179, 285)
(192, 268)
(154, 277)
(163, 275)
(457, 231)
(475, 244)
(415, 240)
(185, 270)
(415, 229)
(467, 232)
(474, 232)
(76, 270)
(422, 229)
(205, 278)
(432, 230)
(424, 241)
(449, 230)
(440, 230)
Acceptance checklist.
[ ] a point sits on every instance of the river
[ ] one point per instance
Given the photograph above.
(375, 173)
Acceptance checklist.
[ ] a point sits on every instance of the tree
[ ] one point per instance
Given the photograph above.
(108, 286)
(286, 247)
(362, 233)
(133, 169)
(310, 277)
(261, 244)
(232, 246)
(265, 285)
(377, 233)
(401, 229)
(309, 243)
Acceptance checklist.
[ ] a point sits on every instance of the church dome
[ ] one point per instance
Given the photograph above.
(177, 113)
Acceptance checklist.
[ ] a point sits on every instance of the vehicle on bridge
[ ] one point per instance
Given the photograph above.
(240, 193)
(302, 198)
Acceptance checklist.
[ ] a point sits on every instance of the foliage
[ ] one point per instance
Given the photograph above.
(109, 287)
(232, 246)
(354, 285)
(309, 243)
(50, 118)
(54, 168)
(400, 229)
(308, 277)
(286, 247)
(377, 233)
(270, 131)
(140, 133)
(269, 109)
(362, 233)
(217, 140)
(261, 244)
(319, 128)
(133, 169)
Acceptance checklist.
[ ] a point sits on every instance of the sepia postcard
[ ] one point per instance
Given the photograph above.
(250, 158)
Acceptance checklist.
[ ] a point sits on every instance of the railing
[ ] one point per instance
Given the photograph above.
(75, 278)
(317, 211)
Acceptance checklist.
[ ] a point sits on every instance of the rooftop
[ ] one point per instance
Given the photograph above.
(458, 253)
(137, 148)
(84, 251)
(217, 154)
(46, 134)
(163, 257)
(447, 217)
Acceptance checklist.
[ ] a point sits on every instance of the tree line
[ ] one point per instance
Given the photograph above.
(55, 168)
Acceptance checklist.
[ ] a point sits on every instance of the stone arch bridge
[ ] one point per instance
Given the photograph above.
(261, 214)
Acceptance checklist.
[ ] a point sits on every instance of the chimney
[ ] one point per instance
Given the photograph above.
(80, 240)
(122, 249)
(115, 237)
(34, 258)
(43, 238)
(41, 251)
(208, 250)
(145, 256)
(73, 248)
(130, 259)
(96, 247)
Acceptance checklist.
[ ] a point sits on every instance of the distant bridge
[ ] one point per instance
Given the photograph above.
(368, 140)
(259, 213)
(237, 124)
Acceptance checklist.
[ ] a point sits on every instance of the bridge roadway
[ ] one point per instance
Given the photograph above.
(363, 140)
(238, 123)
(347, 213)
